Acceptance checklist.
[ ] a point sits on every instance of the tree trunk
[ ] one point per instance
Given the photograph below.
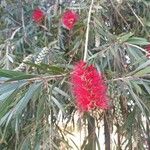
(107, 133)
(91, 134)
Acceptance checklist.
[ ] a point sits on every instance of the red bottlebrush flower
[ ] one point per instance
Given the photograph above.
(38, 15)
(88, 87)
(69, 19)
(147, 48)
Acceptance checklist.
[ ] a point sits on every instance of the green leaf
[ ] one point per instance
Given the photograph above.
(52, 69)
(148, 23)
(58, 104)
(5, 117)
(61, 92)
(5, 87)
(22, 77)
(136, 98)
(26, 145)
(55, 69)
(143, 72)
(147, 87)
(27, 97)
(133, 52)
(9, 73)
(142, 69)
(136, 86)
(14, 75)
(8, 103)
(143, 65)
(5, 95)
(138, 41)
(9, 117)
(124, 36)
(10, 96)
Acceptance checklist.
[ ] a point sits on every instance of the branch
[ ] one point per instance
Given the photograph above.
(130, 78)
(87, 31)
(39, 78)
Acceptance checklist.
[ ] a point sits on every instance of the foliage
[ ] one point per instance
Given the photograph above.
(36, 104)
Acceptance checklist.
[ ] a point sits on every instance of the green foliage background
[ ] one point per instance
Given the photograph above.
(36, 60)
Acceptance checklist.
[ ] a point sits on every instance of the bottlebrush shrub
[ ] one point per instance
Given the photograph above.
(88, 87)
(69, 18)
(38, 15)
(147, 48)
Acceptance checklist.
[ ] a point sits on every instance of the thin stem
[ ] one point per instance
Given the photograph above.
(138, 18)
(113, 5)
(87, 31)
(40, 78)
(7, 62)
(130, 78)
(22, 19)
(135, 46)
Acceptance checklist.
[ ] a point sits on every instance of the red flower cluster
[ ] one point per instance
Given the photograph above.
(38, 15)
(147, 48)
(88, 87)
(69, 19)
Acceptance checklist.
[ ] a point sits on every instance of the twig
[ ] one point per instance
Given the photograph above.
(14, 33)
(87, 31)
(122, 78)
(39, 78)
(47, 77)
(119, 13)
(130, 78)
(138, 47)
(22, 19)
(7, 65)
(135, 14)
